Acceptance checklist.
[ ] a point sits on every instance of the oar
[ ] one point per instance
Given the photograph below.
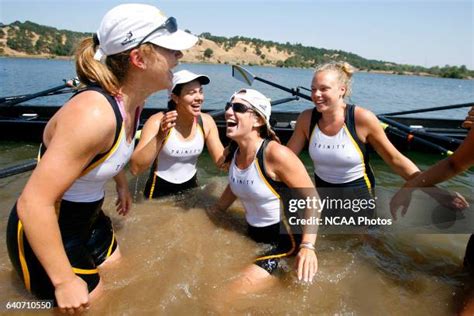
(304, 88)
(420, 133)
(438, 108)
(17, 169)
(247, 77)
(404, 131)
(12, 100)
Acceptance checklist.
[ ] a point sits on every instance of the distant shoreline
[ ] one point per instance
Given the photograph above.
(384, 72)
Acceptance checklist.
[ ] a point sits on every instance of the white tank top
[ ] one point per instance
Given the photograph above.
(262, 205)
(337, 159)
(90, 186)
(178, 158)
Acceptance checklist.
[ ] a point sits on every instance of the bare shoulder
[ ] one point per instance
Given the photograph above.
(364, 117)
(155, 119)
(305, 116)
(89, 111)
(207, 119)
(278, 153)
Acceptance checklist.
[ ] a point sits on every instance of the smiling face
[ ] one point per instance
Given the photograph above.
(190, 99)
(327, 90)
(240, 123)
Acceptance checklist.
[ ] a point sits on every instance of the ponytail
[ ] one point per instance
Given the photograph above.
(111, 75)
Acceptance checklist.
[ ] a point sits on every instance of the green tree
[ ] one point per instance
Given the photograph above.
(208, 53)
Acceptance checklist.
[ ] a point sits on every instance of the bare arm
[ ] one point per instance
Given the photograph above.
(283, 165)
(153, 134)
(72, 146)
(301, 134)
(443, 170)
(375, 135)
(213, 142)
(461, 160)
(226, 199)
(124, 198)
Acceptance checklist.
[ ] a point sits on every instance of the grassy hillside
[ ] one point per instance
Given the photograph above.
(30, 39)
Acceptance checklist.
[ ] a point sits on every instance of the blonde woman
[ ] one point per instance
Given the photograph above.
(338, 134)
(58, 252)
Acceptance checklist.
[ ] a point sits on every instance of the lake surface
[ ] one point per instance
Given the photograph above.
(175, 258)
(377, 92)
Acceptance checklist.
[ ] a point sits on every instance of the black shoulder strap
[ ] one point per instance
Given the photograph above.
(351, 126)
(201, 123)
(118, 119)
(315, 116)
(276, 185)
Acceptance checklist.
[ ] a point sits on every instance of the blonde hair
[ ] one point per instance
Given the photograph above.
(109, 76)
(344, 71)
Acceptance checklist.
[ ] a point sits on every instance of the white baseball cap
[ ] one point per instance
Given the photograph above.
(185, 76)
(260, 103)
(128, 25)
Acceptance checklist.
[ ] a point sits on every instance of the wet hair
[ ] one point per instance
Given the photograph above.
(111, 75)
(176, 91)
(344, 71)
(264, 132)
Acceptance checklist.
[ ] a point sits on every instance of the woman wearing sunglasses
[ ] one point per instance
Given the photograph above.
(337, 135)
(261, 170)
(174, 140)
(58, 237)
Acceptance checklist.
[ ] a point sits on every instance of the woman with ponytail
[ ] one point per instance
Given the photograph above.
(337, 134)
(262, 174)
(58, 237)
(174, 140)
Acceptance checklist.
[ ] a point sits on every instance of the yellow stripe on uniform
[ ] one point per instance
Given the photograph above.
(152, 189)
(111, 245)
(366, 177)
(85, 271)
(21, 253)
(293, 244)
(259, 170)
(110, 153)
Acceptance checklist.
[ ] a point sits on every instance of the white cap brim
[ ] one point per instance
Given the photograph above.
(178, 40)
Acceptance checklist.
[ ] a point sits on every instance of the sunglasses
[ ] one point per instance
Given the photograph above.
(238, 107)
(171, 25)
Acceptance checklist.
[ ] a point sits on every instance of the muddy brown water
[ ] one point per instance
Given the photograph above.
(176, 260)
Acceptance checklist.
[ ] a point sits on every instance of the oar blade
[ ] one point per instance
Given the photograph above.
(242, 74)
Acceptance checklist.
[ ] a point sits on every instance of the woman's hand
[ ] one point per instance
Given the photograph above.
(306, 264)
(449, 199)
(401, 199)
(72, 296)
(168, 121)
(124, 200)
(469, 120)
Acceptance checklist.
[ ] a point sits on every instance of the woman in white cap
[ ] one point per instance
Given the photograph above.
(58, 237)
(174, 140)
(261, 174)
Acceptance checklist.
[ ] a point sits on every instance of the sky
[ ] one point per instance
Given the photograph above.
(418, 32)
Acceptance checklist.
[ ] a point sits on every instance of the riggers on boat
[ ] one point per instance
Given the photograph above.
(26, 123)
(443, 136)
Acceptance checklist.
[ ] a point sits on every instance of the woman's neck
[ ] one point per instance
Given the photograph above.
(132, 98)
(248, 146)
(185, 120)
(335, 113)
